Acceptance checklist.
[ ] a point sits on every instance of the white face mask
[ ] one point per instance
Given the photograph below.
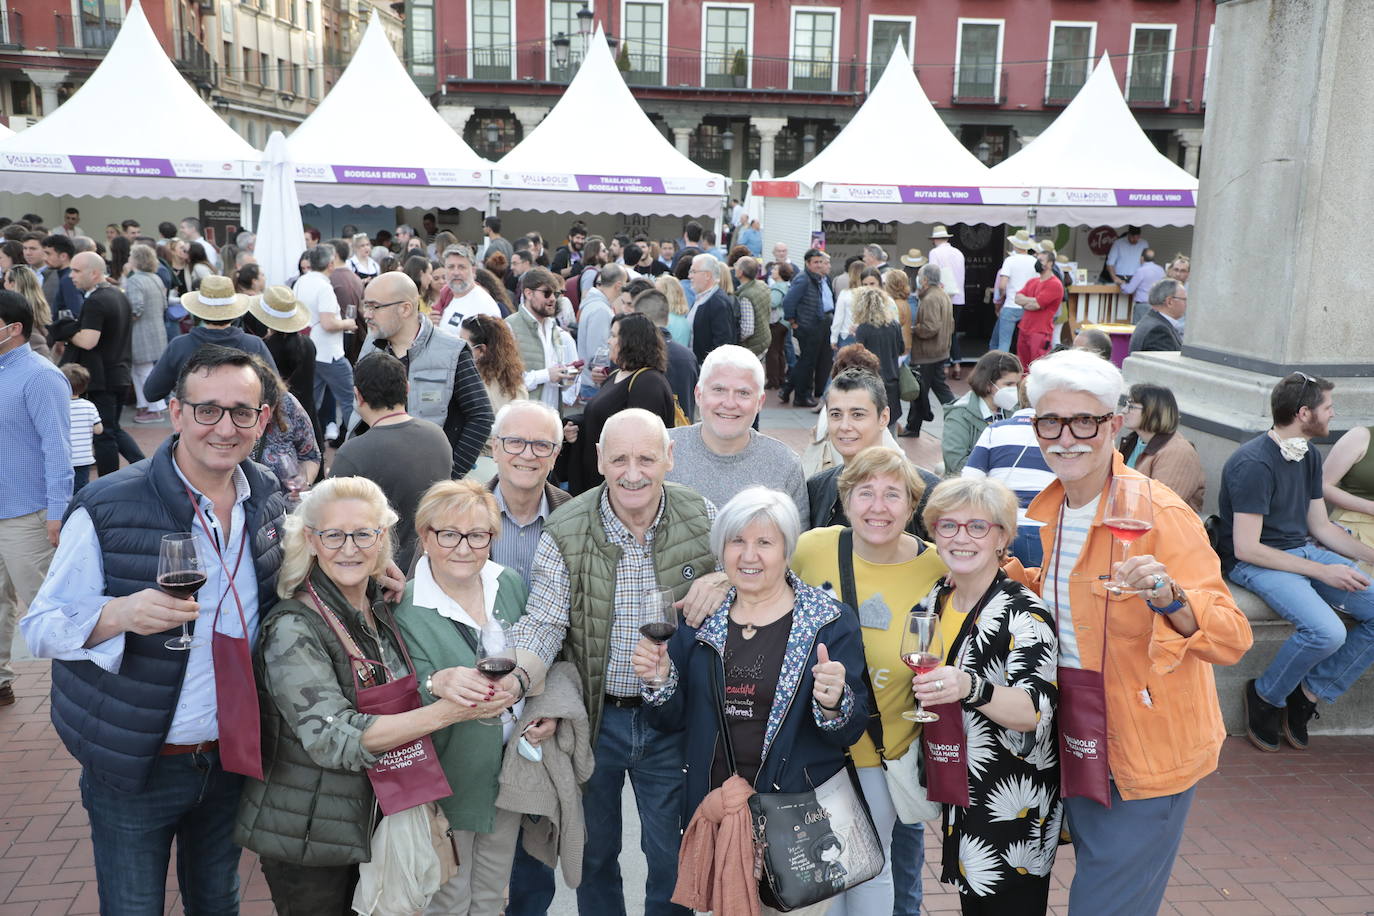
(1007, 399)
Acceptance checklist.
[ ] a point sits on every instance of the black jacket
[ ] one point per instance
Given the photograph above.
(823, 493)
(715, 324)
(1154, 332)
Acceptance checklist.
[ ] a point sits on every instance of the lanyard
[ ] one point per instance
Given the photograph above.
(243, 540)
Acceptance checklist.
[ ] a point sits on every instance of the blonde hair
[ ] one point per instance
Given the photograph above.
(896, 284)
(977, 494)
(296, 556)
(454, 497)
(727, 277)
(671, 288)
(879, 459)
(872, 306)
(27, 284)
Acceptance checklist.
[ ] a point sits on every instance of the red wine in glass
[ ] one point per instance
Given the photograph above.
(659, 631)
(495, 667)
(181, 584)
(180, 573)
(660, 621)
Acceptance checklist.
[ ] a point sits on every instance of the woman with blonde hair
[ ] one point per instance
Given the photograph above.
(311, 819)
(842, 322)
(147, 297)
(23, 280)
(360, 261)
(875, 326)
(679, 311)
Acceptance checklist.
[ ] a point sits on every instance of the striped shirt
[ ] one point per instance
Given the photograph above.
(35, 425)
(84, 418)
(1059, 563)
(1008, 452)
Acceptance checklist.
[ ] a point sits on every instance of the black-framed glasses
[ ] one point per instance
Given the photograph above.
(334, 538)
(449, 538)
(369, 306)
(516, 445)
(977, 528)
(207, 414)
(1081, 425)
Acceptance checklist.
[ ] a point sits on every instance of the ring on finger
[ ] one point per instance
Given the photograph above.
(939, 684)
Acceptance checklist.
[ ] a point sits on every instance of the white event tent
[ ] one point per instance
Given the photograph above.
(1095, 165)
(94, 145)
(597, 149)
(896, 160)
(376, 140)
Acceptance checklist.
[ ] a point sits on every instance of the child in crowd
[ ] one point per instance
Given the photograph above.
(85, 425)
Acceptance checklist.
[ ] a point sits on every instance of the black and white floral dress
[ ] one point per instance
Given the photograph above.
(1004, 843)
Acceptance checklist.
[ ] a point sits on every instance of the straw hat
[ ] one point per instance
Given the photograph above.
(1046, 245)
(215, 300)
(940, 232)
(280, 310)
(1022, 240)
(913, 258)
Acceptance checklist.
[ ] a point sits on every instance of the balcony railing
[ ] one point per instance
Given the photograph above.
(978, 83)
(195, 62)
(11, 29)
(85, 32)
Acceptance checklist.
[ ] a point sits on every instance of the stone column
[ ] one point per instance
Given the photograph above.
(529, 116)
(47, 82)
(1191, 142)
(1025, 139)
(1286, 167)
(457, 116)
(682, 136)
(768, 129)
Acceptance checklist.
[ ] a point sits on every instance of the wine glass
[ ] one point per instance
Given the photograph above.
(288, 469)
(659, 621)
(923, 650)
(1130, 514)
(495, 659)
(180, 573)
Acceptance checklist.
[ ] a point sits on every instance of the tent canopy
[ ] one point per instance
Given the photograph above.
(95, 145)
(376, 140)
(596, 147)
(896, 159)
(1094, 164)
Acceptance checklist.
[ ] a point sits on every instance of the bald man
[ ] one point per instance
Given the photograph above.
(445, 388)
(103, 343)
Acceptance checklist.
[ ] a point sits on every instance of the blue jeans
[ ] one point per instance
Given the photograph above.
(338, 378)
(908, 858)
(1006, 326)
(1321, 653)
(1027, 547)
(653, 760)
(189, 799)
(80, 477)
(531, 885)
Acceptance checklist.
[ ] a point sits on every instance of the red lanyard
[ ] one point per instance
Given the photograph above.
(243, 540)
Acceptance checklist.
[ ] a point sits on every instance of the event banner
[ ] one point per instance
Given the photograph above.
(390, 174)
(1117, 197)
(617, 184)
(120, 166)
(925, 194)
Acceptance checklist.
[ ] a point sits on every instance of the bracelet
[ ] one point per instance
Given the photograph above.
(1179, 600)
(523, 682)
(429, 687)
(973, 690)
(836, 707)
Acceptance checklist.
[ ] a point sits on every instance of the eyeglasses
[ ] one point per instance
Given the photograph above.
(448, 538)
(547, 293)
(210, 414)
(1082, 425)
(516, 445)
(977, 528)
(1134, 405)
(370, 306)
(333, 538)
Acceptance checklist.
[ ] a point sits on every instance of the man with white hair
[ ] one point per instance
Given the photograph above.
(1138, 717)
(594, 322)
(717, 320)
(463, 296)
(526, 439)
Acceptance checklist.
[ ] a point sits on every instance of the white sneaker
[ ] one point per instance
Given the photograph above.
(331, 432)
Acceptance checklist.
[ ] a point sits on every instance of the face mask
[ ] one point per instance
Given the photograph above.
(1007, 399)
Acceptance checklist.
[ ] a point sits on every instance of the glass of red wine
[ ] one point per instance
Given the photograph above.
(180, 573)
(288, 469)
(1130, 513)
(923, 650)
(659, 621)
(495, 659)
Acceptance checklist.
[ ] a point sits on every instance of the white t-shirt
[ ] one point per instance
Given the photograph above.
(1018, 269)
(84, 416)
(317, 293)
(475, 301)
(1058, 566)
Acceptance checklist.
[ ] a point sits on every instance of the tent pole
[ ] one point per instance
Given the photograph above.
(494, 203)
(1030, 220)
(246, 207)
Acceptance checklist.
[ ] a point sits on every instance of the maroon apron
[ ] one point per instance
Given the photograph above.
(236, 692)
(407, 775)
(1082, 718)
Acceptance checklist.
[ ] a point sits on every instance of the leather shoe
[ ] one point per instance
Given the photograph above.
(800, 401)
(1261, 720)
(784, 396)
(1299, 711)
(6, 694)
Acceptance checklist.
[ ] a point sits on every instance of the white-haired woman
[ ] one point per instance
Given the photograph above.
(996, 693)
(360, 261)
(311, 819)
(148, 302)
(773, 641)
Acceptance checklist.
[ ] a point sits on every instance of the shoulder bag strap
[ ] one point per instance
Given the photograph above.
(631, 385)
(849, 594)
(361, 668)
(726, 741)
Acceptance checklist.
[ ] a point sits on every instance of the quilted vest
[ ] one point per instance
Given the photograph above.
(115, 724)
(526, 331)
(682, 551)
(757, 297)
(433, 365)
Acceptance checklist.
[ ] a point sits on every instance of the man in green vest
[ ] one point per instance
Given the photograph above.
(539, 338)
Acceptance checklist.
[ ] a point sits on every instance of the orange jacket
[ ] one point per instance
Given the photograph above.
(1164, 728)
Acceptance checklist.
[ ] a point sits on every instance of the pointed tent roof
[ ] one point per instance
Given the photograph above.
(896, 159)
(403, 153)
(90, 145)
(1094, 164)
(565, 165)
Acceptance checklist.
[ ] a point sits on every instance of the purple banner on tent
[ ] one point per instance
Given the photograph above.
(373, 174)
(123, 165)
(1147, 198)
(629, 184)
(919, 194)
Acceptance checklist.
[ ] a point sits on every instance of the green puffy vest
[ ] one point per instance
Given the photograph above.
(682, 551)
(525, 329)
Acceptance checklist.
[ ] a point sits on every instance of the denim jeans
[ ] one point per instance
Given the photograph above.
(1006, 327)
(531, 885)
(1321, 653)
(338, 378)
(80, 477)
(189, 799)
(1027, 547)
(627, 744)
(908, 858)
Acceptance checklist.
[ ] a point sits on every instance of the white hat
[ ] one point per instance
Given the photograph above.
(913, 258)
(216, 300)
(940, 232)
(1022, 240)
(279, 309)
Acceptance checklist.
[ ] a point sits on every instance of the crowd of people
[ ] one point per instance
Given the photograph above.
(445, 499)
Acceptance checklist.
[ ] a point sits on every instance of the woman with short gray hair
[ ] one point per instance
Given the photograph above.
(147, 296)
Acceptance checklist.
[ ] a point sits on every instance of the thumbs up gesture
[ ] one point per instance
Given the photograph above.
(828, 681)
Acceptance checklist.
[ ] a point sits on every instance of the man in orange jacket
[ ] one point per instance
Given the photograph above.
(1138, 715)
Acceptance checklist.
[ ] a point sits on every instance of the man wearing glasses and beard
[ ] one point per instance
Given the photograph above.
(539, 338)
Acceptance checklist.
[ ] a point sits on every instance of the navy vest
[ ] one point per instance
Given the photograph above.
(115, 724)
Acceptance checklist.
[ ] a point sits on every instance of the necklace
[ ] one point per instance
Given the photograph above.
(748, 631)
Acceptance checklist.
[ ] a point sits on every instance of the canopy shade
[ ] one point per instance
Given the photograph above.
(1094, 165)
(376, 140)
(596, 148)
(95, 145)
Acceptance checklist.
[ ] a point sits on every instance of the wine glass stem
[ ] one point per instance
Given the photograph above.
(185, 632)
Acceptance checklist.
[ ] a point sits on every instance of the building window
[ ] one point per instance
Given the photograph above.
(21, 97)
(726, 48)
(1071, 59)
(265, 71)
(978, 64)
(644, 43)
(283, 82)
(226, 18)
(419, 27)
(1149, 70)
(247, 65)
(883, 37)
(563, 20)
(492, 133)
(309, 15)
(990, 143)
(491, 44)
(313, 79)
(813, 50)
(100, 22)
(228, 58)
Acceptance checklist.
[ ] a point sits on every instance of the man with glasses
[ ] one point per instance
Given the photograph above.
(1161, 328)
(1137, 698)
(445, 388)
(402, 454)
(539, 338)
(145, 722)
(1277, 541)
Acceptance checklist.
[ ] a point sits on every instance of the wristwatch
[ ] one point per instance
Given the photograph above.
(1177, 601)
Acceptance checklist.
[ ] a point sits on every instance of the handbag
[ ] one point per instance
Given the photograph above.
(414, 854)
(906, 778)
(909, 387)
(808, 846)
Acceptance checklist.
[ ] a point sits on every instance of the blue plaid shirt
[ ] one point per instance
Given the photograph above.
(35, 426)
